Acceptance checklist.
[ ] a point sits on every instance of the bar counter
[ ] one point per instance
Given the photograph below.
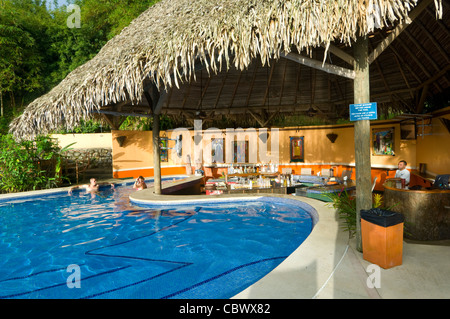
(426, 211)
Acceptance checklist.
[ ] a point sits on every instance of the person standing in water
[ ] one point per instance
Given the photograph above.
(139, 184)
(91, 187)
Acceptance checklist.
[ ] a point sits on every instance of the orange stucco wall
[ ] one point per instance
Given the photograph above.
(434, 149)
(135, 156)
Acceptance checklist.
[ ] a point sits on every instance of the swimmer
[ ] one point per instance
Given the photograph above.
(91, 187)
(139, 184)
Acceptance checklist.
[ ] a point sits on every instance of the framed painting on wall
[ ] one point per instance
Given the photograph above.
(383, 141)
(296, 149)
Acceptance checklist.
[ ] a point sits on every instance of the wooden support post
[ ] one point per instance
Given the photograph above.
(156, 155)
(362, 135)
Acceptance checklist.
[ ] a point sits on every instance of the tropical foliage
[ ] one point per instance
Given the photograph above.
(345, 204)
(29, 165)
(38, 49)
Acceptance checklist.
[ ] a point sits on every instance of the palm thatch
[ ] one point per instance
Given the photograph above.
(162, 45)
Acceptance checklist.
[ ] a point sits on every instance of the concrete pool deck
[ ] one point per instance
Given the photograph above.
(327, 265)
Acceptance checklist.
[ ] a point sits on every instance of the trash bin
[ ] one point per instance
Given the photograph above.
(382, 237)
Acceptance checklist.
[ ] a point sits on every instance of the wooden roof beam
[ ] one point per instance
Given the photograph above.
(282, 83)
(113, 121)
(441, 73)
(257, 110)
(433, 40)
(419, 63)
(251, 86)
(297, 81)
(403, 75)
(203, 91)
(402, 61)
(114, 113)
(326, 67)
(340, 54)
(271, 117)
(268, 83)
(439, 22)
(258, 118)
(425, 53)
(396, 32)
(235, 89)
(219, 93)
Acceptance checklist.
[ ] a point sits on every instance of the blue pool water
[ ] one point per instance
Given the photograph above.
(208, 250)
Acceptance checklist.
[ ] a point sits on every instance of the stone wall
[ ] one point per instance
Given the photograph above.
(96, 157)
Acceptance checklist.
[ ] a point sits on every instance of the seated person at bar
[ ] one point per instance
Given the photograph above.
(402, 172)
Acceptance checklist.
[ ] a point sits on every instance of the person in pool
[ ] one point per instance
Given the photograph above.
(91, 187)
(139, 184)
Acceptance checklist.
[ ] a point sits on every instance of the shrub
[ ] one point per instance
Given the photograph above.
(345, 205)
(29, 165)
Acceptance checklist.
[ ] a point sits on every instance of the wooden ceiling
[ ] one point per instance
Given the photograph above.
(413, 67)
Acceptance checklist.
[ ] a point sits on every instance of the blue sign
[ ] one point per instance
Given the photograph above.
(364, 111)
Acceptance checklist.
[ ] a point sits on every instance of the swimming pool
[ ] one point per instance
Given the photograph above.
(114, 249)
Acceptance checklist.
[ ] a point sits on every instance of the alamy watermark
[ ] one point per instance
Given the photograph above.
(74, 279)
(230, 145)
(374, 278)
(73, 20)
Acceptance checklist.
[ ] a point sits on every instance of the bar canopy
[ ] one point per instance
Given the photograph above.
(202, 58)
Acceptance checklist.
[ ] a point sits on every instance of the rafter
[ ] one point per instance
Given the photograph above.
(220, 90)
(235, 89)
(418, 62)
(251, 86)
(433, 40)
(272, 67)
(203, 90)
(282, 82)
(399, 29)
(115, 113)
(326, 67)
(297, 80)
(403, 74)
(340, 54)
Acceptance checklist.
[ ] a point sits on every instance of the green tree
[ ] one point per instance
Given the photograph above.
(20, 59)
(101, 20)
(38, 49)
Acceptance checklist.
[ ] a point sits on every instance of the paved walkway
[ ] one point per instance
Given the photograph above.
(328, 266)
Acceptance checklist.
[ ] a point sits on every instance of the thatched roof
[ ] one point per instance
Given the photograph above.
(162, 47)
